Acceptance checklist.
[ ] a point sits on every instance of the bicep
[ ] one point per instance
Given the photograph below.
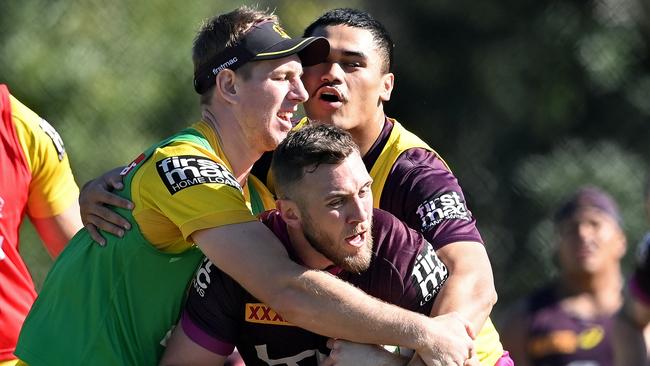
(466, 258)
(252, 255)
(181, 350)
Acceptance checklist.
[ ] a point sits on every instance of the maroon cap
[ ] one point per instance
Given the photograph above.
(588, 197)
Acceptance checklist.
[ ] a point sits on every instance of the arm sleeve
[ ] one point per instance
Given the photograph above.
(423, 193)
(189, 187)
(52, 188)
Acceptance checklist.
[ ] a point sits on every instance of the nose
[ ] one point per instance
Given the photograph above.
(298, 93)
(332, 72)
(359, 211)
(584, 230)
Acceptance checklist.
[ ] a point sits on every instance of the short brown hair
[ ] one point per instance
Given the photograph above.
(223, 31)
(304, 150)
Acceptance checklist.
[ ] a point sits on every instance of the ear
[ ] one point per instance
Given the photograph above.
(387, 83)
(290, 212)
(225, 86)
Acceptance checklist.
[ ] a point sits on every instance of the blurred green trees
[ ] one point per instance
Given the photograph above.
(525, 99)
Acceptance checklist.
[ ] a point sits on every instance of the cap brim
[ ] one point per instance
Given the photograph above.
(311, 50)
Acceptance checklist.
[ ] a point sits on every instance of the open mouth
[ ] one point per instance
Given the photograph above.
(285, 116)
(330, 94)
(332, 98)
(356, 240)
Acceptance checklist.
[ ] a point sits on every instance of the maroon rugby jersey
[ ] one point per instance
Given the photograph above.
(557, 338)
(417, 179)
(220, 314)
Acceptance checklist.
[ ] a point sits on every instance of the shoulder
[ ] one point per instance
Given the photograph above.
(393, 239)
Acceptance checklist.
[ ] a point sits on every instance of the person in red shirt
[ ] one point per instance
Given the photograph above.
(36, 182)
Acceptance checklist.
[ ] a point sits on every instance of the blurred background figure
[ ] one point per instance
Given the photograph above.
(632, 323)
(569, 321)
(37, 182)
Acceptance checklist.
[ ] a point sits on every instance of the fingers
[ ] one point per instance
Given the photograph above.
(94, 233)
(331, 342)
(105, 222)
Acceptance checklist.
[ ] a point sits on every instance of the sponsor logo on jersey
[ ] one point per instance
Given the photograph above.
(429, 273)
(54, 136)
(180, 172)
(263, 314)
(444, 206)
(201, 278)
(566, 341)
(127, 169)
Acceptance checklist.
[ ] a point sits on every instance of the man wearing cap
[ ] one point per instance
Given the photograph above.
(569, 322)
(114, 305)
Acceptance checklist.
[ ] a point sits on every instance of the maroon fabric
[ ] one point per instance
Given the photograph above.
(423, 193)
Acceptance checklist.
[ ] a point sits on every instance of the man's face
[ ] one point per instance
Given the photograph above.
(268, 99)
(589, 241)
(347, 89)
(336, 212)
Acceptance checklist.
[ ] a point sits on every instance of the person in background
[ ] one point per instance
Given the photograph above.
(36, 182)
(569, 321)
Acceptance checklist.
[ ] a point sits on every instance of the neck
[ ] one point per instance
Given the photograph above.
(365, 135)
(603, 288)
(309, 256)
(241, 154)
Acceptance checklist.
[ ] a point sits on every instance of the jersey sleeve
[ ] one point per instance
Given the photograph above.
(422, 192)
(191, 187)
(212, 310)
(406, 270)
(52, 188)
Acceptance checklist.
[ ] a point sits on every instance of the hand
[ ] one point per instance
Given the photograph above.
(449, 341)
(357, 354)
(94, 198)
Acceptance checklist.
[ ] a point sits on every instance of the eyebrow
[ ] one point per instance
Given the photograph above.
(353, 53)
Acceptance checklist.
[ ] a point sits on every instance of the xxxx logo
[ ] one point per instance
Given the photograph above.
(261, 313)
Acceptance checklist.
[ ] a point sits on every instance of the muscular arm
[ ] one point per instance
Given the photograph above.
(312, 299)
(57, 230)
(469, 290)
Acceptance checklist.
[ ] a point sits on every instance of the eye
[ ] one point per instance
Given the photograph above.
(364, 191)
(335, 203)
(351, 64)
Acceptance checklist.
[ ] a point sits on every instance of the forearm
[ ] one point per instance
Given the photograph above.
(57, 230)
(469, 290)
(323, 304)
(311, 299)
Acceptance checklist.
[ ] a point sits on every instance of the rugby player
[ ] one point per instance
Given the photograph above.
(36, 182)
